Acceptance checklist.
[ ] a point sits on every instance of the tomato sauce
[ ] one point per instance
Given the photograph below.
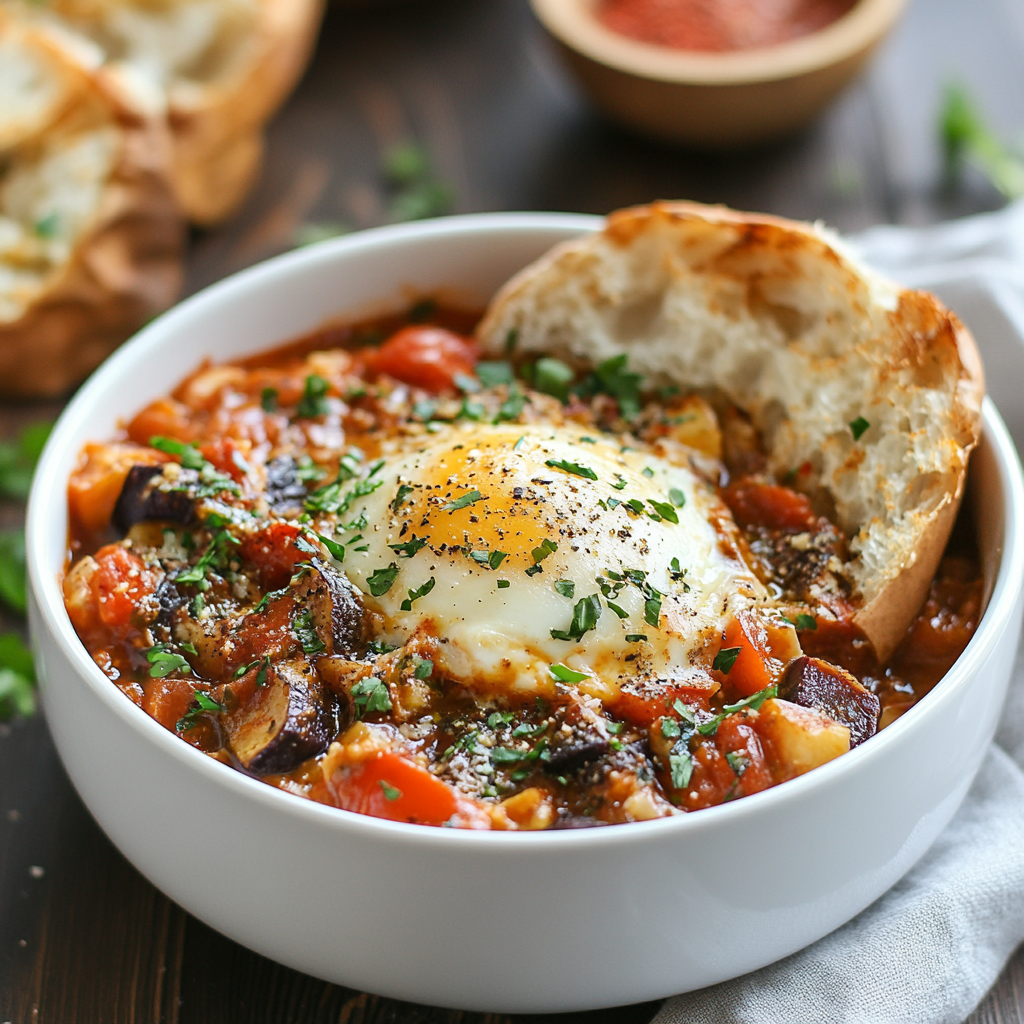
(211, 600)
(719, 25)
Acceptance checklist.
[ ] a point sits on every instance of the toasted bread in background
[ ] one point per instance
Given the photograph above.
(780, 319)
(90, 233)
(220, 68)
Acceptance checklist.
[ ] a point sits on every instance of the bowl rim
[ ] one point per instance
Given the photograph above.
(573, 23)
(51, 615)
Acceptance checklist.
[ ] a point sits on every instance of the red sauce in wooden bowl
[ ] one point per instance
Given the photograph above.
(719, 25)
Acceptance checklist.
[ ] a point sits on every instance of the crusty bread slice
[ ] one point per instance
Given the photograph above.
(90, 233)
(221, 68)
(791, 328)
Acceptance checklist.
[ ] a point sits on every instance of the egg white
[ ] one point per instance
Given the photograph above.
(498, 638)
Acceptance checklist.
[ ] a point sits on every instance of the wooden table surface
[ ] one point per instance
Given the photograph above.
(84, 939)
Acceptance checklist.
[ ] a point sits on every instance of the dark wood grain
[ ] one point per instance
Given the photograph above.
(83, 938)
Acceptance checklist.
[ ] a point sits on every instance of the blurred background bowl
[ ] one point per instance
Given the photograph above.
(715, 100)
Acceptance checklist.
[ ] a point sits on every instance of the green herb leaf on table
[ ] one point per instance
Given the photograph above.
(18, 460)
(12, 570)
(17, 678)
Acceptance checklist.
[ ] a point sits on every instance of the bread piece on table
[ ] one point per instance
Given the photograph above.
(221, 67)
(90, 233)
(791, 328)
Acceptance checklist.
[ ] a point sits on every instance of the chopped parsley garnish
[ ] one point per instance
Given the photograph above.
(519, 443)
(466, 384)
(612, 378)
(191, 457)
(489, 558)
(213, 557)
(858, 426)
(163, 661)
(314, 398)
(564, 674)
(499, 718)
(652, 608)
(470, 411)
(636, 505)
(410, 547)
(415, 595)
(337, 550)
(512, 407)
(681, 769)
(424, 668)
(48, 226)
(270, 595)
(330, 499)
(620, 484)
(725, 659)
(205, 705)
(546, 548)
(390, 792)
(491, 374)
(575, 468)
(684, 712)
(584, 618)
(619, 610)
(647, 472)
(307, 470)
(738, 762)
(636, 638)
(504, 584)
(261, 676)
(511, 340)
(370, 695)
(380, 581)
(348, 465)
(566, 588)
(753, 702)
(467, 499)
(677, 497)
(507, 755)
(807, 622)
(306, 634)
(404, 490)
(664, 509)
(198, 603)
(424, 409)
(670, 729)
(553, 377)
(268, 399)
(677, 572)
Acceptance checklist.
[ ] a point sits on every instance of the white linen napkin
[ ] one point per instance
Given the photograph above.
(929, 949)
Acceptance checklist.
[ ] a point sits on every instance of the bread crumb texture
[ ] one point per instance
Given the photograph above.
(783, 321)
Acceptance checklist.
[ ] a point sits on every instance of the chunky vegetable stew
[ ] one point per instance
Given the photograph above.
(375, 571)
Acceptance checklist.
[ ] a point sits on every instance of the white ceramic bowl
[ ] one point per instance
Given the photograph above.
(491, 921)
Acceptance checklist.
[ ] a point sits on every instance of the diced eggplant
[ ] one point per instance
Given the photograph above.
(335, 606)
(583, 745)
(148, 494)
(169, 601)
(285, 491)
(288, 720)
(814, 683)
(573, 821)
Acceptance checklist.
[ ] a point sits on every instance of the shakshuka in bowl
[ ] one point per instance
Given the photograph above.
(647, 555)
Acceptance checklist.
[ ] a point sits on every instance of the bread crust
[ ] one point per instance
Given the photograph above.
(785, 322)
(218, 132)
(124, 267)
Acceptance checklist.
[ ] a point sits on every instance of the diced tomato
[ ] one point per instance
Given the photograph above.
(750, 671)
(735, 736)
(711, 780)
(167, 700)
(165, 417)
(225, 454)
(642, 703)
(389, 786)
(777, 508)
(425, 357)
(122, 581)
(273, 551)
(96, 483)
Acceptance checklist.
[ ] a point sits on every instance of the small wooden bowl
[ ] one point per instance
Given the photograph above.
(715, 100)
